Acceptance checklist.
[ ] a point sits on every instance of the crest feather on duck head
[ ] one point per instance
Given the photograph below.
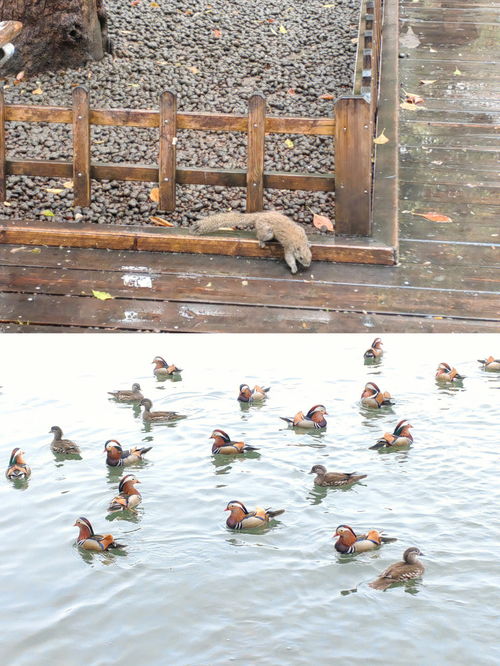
(402, 424)
(238, 503)
(243, 387)
(444, 366)
(220, 433)
(84, 521)
(114, 444)
(160, 359)
(13, 456)
(345, 527)
(316, 408)
(377, 341)
(125, 479)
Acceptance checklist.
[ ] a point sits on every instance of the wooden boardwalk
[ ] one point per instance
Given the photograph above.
(448, 276)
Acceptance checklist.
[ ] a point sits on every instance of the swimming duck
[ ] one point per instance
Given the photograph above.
(163, 369)
(446, 374)
(324, 478)
(315, 418)
(375, 350)
(59, 445)
(349, 542)
(400, 572)
(148, 415)
(117, 457)
(129, 497)
(490, 364)
(400, 437)
(128, 396)
(17, 469)
(223, 444)
(373, 397)
(242, 519)
(257, 394)
(90, 541)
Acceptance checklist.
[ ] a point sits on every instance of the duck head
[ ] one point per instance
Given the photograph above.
(159, 362)
(371, 390)
(317, 411)
(411, 554)
(57, 432)
(236, 508)
(245, 393)
(147, 404)
(318, 469)
(136, 387)
(220, 434)
(113, 448)
(86, 529)
(377, 343)
(403, 429)
(346, 534)
(17, 457)
(127, 484)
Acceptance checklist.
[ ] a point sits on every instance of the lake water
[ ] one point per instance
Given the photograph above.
(189, 591)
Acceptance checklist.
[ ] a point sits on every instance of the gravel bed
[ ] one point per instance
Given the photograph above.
(214, 55)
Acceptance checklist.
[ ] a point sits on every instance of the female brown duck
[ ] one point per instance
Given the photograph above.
(60, 445)
(401, 572)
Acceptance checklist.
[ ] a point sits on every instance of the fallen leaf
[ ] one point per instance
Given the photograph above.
(434, 217)
(244, 283)
(414, 99)
(322, 223)
(102, 295)
(427, 82)
(154, 4)
(17, 249)
(154, 195)
(68, 184)
(194, 70)
(291, 91)
(326, 96)
(20, 76)
(217, 33)
(7, 203)
(283, 30)
(457, 72)
(160, 222)
(289, 143)
(53, 190)
(381, 138)
(47, 213)
(134, 3)
(437, 162)
(37, 91)
(35, 250)
(431, 50)
(354, 40)
(330, 5)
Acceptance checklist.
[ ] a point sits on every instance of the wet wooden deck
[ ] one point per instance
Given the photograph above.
(449, 273)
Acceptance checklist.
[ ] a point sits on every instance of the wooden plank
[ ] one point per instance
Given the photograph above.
(81, 147)
(445, 175)
(162, 240)
(358, 67)
(3, 180)
(167, 155)
(255, 153)
(448, 193)
(154, 316)
(353, 148)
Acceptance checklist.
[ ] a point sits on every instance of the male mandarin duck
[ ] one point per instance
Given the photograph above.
(242, 519)
(223, 444)
(324, 478)
(375, 350)
(372, 396)
(134, 395)
(400, 437)
(18, 468)
(400, 572)
(60, 445)
(148, 415)
(117, 457)
(90, 541)
(163, 369)
(129, 497)
(446, 374)
(315, 418)
(490, 364)
(257, 394)
(349, 542)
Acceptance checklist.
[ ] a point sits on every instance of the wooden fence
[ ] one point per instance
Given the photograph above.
(351, 128)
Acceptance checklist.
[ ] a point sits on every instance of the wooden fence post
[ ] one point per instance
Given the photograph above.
(256, 147)
(167, 157)
(353, 166)
(3, 188)
(81, 147)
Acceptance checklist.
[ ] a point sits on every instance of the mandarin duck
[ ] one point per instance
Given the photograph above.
(373, 397)
(446, 374)
(134, 395)
(400, 437)
(375, 350)
(17, 469)
(490, 364)
(223, 444)
(128, 496)
(257, 394)
(148, 415)
(60, 445)
(90, 541)
(324, 478)
(400, 572)
(315, 418)
(117, 457)
(163, 369)
(242, 519)
(349, 542)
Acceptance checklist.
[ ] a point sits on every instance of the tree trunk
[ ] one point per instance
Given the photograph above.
(57, 34)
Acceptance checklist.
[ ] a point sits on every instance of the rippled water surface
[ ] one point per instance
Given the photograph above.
(189, 591)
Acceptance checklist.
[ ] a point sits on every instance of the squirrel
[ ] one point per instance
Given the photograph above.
(268, 225)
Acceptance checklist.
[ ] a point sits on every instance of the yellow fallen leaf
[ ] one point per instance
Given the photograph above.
(53, 190)
(102, 295)
(194, 70)
(289, 143)
(37, 91)
(7, 203)
(68, 184)
(154, 4)
(457, 72)
(154, 195)
(283, 30)
(427, 82)
(47, 213)
(35, 250)
(381, 138)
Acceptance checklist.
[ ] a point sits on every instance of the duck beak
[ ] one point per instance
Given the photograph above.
(227, 509)
(137, 481)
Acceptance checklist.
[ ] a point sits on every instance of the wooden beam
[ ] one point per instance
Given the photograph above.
(3, 183)
(81, 147)
(255, 153)
(167, 155)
